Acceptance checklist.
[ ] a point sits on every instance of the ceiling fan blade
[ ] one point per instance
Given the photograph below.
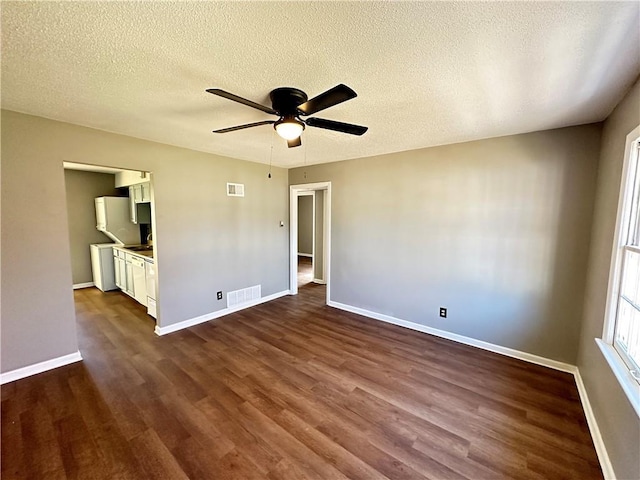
(337, 126)
(244, 101)
(334, 96)
(246, 125)
(296, 142)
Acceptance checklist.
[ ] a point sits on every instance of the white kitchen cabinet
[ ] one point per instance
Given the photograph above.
(120, 269)
(136, 276)
(129, 275)
(145, 192)
(122, 266)
(116, 270)
(139, 193)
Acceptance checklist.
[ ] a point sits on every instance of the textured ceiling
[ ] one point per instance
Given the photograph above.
(426, 73)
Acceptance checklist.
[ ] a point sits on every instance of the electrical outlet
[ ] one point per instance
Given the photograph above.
(219, 295)
(443, 312)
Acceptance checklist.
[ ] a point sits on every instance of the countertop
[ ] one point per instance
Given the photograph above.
(140, 253)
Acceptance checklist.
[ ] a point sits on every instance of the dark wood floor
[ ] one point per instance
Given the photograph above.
(291, 389)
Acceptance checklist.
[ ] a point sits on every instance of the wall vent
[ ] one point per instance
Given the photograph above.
(245, 295)
(235, 189)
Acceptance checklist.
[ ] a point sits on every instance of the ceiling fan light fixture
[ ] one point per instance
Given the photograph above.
(289, 104)
(289, 128)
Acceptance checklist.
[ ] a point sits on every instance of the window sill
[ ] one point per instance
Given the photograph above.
(627, 382)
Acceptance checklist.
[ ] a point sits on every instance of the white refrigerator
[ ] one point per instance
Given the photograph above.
(104, 276)
(112, 219)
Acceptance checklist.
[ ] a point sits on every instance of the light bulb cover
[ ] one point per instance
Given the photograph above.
(289, 128)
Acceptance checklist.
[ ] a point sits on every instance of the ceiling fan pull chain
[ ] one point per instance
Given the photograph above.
(305, 160)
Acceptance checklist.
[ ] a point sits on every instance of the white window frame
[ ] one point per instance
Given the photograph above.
(626, 224)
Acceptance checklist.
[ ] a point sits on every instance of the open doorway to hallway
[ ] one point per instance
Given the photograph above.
(306, 237)
(310, 235)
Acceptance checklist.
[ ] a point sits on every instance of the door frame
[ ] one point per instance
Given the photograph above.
(294, 192)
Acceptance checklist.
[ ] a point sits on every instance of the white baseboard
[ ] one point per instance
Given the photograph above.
(76, 286)
(319, 281)
(305, 255)
(217, 314)
(601, 449)
(509, 352)
(34, 369)
(603, 457)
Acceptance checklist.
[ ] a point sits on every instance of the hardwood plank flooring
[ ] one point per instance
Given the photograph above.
(290, 389)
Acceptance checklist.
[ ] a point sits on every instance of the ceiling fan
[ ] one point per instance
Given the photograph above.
(290, 104)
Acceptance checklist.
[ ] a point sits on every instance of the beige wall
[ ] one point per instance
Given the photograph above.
(205, 241)
(618, 422)
(81, 190)
(495, 230)
(305, 224)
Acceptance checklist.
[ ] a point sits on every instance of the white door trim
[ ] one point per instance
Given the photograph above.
(294, 192)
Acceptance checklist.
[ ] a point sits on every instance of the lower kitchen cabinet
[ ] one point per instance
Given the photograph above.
(120, 269)
(135, 275)
(129, 290)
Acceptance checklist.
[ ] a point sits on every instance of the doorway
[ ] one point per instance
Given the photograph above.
(111, 215)
(306, 237)
(318, 197)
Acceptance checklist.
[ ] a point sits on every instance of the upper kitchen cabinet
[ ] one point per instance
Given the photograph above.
(140, 193)
(139, 203)
(146, 192)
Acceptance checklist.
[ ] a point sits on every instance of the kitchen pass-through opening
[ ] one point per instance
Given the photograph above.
(111, 215)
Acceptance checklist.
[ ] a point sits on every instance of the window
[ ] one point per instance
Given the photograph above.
(621, 337)
(626, 332)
